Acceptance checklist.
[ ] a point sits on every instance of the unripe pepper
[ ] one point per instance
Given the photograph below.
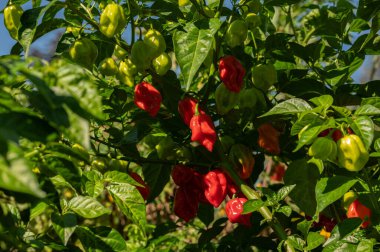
(348, 198)
(232, 73)
(155, 43)
(242, 159)
(269, 138)
(182, 3)
(236, 33)
(182, 153)
(112, 20)
(162, 64)
(248, 98)
(108, 67)
(358, 210)
(252, 20)
(323, 148)
(165, 149)
(203, 130)
(234, 209)
(84, 52)
(147, 98)
(127, 71)
(12, 19)
(144, 189)
(264, 76)
(352, 153)
(141, 55)
(119, 52)
(226, 142)
(225, 99)
(186, 109)
(215, 187)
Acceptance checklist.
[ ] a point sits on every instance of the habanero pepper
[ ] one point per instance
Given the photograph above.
(127, 71)
(186, 109)
(155, 43)
(352, 153)
(162, 64)
(225, 100)
(269, 138)
(185, 204)
(144, 189)
(323, 148)
(112, 20)
(236, 33)
(215, 187)
(12, 19)
(203, 131)
(147, 98)
(108, 67)
(242, 159)
(264, 76)
(358, 210)
(84, 52)
(234, 209)
(231, 73)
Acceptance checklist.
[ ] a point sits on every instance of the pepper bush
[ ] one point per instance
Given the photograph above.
(153, 121)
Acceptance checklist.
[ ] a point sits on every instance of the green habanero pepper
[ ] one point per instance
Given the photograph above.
(155, 42)
(323, 148)
(119, 52)
(252, 21)
(84, 52)
(12, 19)
(352, 153)
(264, 76)
(162, 64)
(248, 98)
(108, 67)
(166, 149)
(141, 55)
(225, 99)
(127, 71)
(236, 33)
(112, 20)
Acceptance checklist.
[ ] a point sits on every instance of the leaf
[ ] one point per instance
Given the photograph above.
(365, 245)
(120, 178)
(208, 234)
(304, 226)
(304, 175)
(286, 210)
(367, 110)
(314, 240)
(38, 209)
(130, 202)
(101, 239)
(291, 106)
(363, 127)
(192, 46)
(342, 230)
(284, 191)
(308, 119)
(87, 207)
(252, 206)
(329, 190)
(64, 225)
(324, 100)
(376, 145)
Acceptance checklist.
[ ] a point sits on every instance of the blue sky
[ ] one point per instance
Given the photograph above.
(6, 42)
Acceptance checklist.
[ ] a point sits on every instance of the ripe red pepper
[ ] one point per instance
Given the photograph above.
(278, 173)
(185, 204)
(327, 223)
(232, 188)
(336, 135)
(203, 130)
(232, 73)
(357, 209)
(147, 98)
(242, 159)
(234, 208)
(182, 174)
(269, 138)
(186, 109)
(215, 187)
(145, 190)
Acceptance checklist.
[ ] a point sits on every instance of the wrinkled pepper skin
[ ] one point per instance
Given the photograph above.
(236, 33)
(112, 20)
(162, 64)
(248, 98)
(252, 21)
(119, 52)
(182, 174)
(225, 99)
(141, 55)
(203, 131)
(186, 109)
(185, 204)
(127, 71)
(269, 139)
(264, 76)
(147, 98)
(323, 148)
(144, 190)
(215, 187)
(234, 209)
(358, 210)
(84, 52)
(242, 159)
(352, 153)
(155, 43)
(12, 19)
(278, 173)
(232, 73)
(108, 67)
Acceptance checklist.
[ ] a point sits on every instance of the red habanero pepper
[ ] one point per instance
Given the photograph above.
(278, 173)
(232, 73)
(186, 109)
(203, 131)
(182, 174)
(269, 138)
(185, 204)
(144, 190)
(147, 98)
(215, 187)
(336, 135)
(358, 210)
(234, 208)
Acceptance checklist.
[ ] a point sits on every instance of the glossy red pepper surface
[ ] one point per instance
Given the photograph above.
(147, 98)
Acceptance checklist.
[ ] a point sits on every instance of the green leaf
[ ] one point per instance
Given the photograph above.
(365, 245)
(376, 145)
(324, 100)
(101, 239)
(363, 127)
(291, 106)
(342, 230)
(284, 191)
(130, 202)
(308, 119)
(192, 46)
(252, 206)
(64, 225)
(208, 234)
(120, 178)
(367, 110)
(38, 209)
(94, 183)
(286, 210)
(329, 190)
(304, 226)
(304, 175)
(296, 242)
(309, 133)
(314, 240)
(87, 207)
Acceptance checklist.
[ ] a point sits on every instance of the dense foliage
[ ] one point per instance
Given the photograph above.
(155, 120)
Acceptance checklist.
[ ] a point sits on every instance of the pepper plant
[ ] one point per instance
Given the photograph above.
(199, 125)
